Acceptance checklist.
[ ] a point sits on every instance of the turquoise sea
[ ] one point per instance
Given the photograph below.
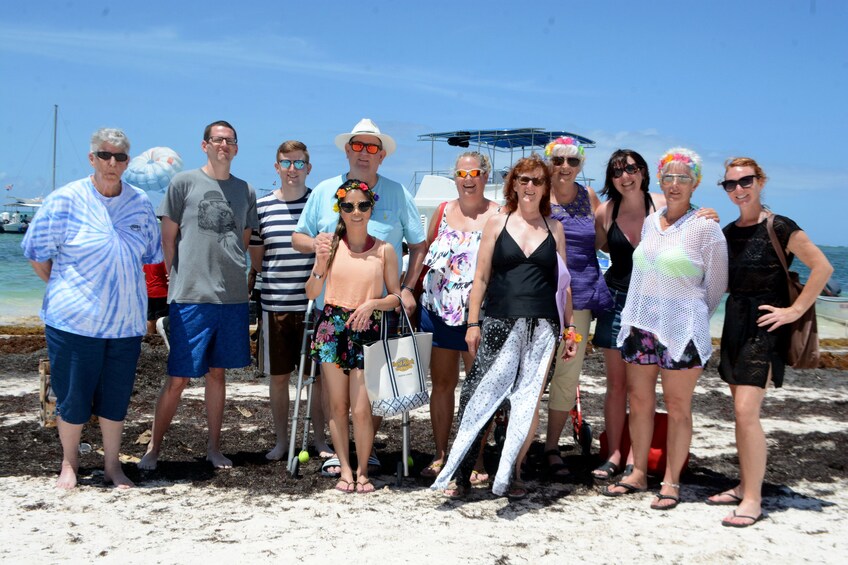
(21, 291)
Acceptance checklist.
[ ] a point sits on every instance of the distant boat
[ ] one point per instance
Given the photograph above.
(833, 308)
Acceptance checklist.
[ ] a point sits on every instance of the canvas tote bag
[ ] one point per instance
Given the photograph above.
(396, 368)
(804, 339)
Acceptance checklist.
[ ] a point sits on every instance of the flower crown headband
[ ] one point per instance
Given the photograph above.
(684, 156)
(549, 148)
(353, 185)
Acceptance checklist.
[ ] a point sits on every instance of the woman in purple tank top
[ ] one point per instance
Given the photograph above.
(573, 205)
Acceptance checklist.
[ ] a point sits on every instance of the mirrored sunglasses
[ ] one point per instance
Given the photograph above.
(372, 148)
(298, 164)
(473, 173)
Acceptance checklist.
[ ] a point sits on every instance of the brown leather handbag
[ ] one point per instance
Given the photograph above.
(804, 335)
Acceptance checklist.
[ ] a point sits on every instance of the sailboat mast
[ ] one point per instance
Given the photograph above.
(55, 122)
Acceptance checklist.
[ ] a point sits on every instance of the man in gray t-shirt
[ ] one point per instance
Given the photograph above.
(207, 217)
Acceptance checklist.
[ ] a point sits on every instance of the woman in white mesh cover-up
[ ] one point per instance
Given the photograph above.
(679, 277)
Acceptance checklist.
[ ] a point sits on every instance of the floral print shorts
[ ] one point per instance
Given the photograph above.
(643, 348)
(333, 342)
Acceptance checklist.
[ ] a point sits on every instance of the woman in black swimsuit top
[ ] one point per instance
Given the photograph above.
(520, 267)
(621, 250)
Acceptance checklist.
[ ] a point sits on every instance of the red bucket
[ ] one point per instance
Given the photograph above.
(657, 454)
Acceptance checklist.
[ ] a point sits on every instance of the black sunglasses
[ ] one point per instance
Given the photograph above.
(744, 182)
(630, 169)
(348, 207)
(558, 160)
(107, 155)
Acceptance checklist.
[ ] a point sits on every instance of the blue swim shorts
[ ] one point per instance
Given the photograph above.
(444, 336)
(205, 336)
(91, 375)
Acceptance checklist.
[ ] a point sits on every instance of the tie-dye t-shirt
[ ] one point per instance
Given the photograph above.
(97, 246)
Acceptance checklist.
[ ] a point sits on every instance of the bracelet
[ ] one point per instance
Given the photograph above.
(403, 286)
(472, 325)
(572, 335)
(317, 276)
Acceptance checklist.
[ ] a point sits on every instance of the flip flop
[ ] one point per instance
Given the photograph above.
(348, 488)
(479, 478)
(360, 487)
(734, 500)
(754, 520)
(455, 491)
(517, 491)
(606, 471)
(660, 497)
(331, 462)
(555, 470)
(628, 489)
(431, 471)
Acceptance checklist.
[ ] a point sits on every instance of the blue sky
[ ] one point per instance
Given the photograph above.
(767, 79)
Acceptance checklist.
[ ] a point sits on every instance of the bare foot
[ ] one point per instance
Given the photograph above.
(67, 477)
(324, 451)
(149, 461)
(277, 453)
(218, 460)
(117, 477)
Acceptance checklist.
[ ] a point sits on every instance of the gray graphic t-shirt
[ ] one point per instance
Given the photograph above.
(209, 263)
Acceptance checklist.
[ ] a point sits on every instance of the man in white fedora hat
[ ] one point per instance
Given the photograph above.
(395, 217)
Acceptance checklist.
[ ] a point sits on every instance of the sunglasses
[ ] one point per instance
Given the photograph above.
(218, 140)
(371, 148)
(744, 182)
(629, 169)
(107, 155)
(681, 179)
(558, 160)
(473, 173)
(523, 180)
(348, 207)
(298, 164)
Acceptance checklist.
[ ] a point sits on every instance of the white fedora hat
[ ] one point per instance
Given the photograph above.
(367, 127)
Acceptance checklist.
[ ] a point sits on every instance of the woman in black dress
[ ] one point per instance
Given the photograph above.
(755, 337)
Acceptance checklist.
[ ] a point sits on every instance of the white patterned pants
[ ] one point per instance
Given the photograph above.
(512, 363)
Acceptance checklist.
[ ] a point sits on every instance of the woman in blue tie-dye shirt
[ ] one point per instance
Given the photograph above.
(88, 242)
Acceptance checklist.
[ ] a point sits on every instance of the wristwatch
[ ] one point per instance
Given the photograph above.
(317, 276)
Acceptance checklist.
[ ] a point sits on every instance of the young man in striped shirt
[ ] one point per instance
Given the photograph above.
(283, 299)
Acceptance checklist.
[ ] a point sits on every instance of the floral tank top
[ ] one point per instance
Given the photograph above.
(452, 259)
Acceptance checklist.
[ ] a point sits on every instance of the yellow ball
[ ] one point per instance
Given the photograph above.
(303, 456)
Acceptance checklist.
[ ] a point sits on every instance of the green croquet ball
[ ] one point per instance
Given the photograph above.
(409, 461)
(303, 456)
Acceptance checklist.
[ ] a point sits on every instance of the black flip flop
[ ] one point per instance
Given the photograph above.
(628, 489)
(735, 502)
(754, 519)
(660, 497)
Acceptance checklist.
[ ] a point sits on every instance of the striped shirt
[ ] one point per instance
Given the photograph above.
(284, 270)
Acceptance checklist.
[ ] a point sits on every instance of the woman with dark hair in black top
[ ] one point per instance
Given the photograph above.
(521, 273)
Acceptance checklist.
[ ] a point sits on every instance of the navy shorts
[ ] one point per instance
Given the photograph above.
(608, 323)
(444, 336)
(91, 375)
(643, 348)
(205, 336)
